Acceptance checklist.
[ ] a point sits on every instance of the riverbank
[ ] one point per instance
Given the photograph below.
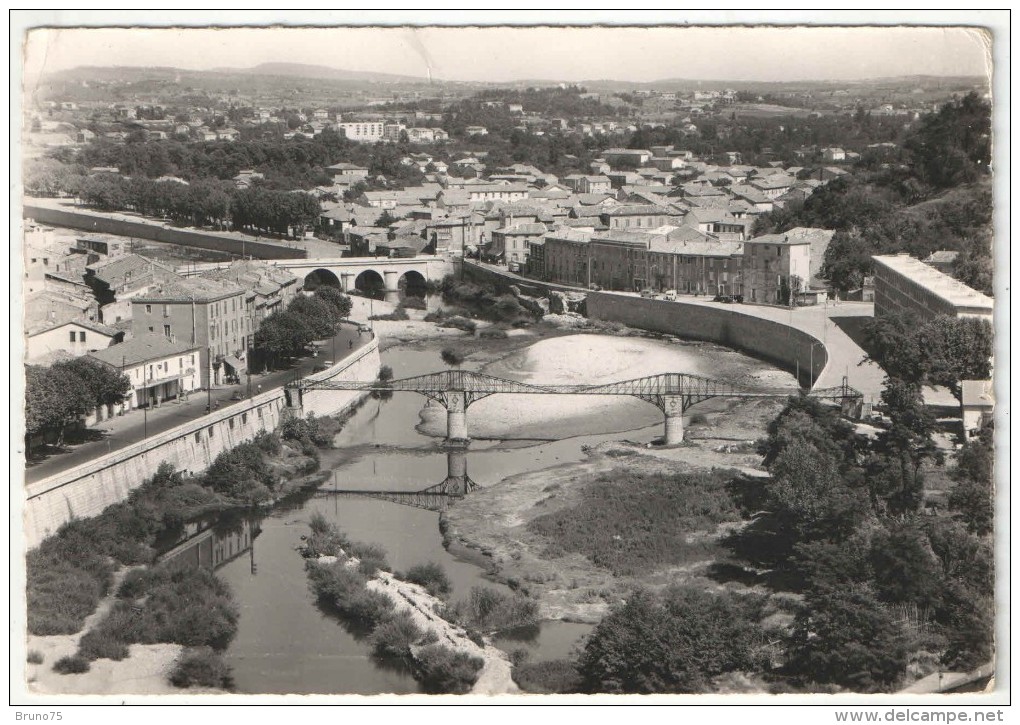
(497, 522)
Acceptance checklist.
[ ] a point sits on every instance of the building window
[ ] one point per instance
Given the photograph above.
(148, 311)
(198, 437)
(81, 336)
(72, 335)
(166, 330)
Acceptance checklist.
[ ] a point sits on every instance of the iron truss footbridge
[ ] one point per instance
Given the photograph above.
(470, 387)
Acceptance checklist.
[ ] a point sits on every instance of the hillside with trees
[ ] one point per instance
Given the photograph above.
(935, 196)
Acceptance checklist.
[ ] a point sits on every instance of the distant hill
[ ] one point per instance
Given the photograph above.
(306, 70)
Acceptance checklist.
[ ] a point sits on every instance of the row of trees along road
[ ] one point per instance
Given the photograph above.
(287, 334)
(61, 395)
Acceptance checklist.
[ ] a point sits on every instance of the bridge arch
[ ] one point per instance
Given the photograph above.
(321, 278)
(370, 283)
(412, 284)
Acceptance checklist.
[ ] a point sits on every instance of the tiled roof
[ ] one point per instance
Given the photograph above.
(193, 289)
(141, 349)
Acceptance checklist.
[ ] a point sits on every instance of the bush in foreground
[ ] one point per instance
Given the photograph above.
(201, 667)
(71, 665)
(444, 671)
(555, 677)
(395, 635)
(398, 315)
(460, 323)
(102, 644)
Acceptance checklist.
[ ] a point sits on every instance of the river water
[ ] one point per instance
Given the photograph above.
(285, 643)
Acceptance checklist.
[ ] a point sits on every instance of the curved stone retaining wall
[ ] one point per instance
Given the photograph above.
(779, 344)
(87, 489)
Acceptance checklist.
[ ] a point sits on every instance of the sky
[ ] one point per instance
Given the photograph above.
(546, 53)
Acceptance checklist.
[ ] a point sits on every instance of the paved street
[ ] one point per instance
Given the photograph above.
(122, 431)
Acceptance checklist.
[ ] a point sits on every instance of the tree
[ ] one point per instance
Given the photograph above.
(336, 299)
(54, 399)
(847, 260)
(673, 645)
(956, 349)
(106, 385)
(321, 317)
(386, 219)
(452, 357)
(846, 637)
(972, 496)
(894, 472)
(282, 334)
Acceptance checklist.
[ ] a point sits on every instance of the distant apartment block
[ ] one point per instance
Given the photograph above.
(905, 284)
(364, 131)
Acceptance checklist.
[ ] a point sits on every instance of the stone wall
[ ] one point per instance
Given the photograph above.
(93, 222)
(87, 489)
(782, 345)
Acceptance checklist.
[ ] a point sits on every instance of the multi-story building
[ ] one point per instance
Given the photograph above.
(905, 284)
(48, 340)
(620, 259)
(211, 315)
(567, 257)
(497, 192)
(634, 216)
(694, 267)
(630, 158)
(776, 267)
(159, 369)
(510, 243)
(363, 131)
(345, 174)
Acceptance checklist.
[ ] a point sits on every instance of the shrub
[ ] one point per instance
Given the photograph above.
(490, 610)
(60, 596)
(395, 635)
(475, 636)
(191, 607)
(441, 670)
(493, 333)
(35, 657)
(202, 667)
(268, 442)
(343, 589)
(242, 474)
(413, 303)
(102, 644)
(699, 419)
(431, 576)
(371, 558)
(460, 323)
(325, 539)
(385, 374)
(397, 315)
(555, 677)
(519, 656)
(135, 583)
(71, 665)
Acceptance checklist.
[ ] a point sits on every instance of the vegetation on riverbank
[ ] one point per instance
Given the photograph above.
(71, 572)
(633, 522)
(339, 577)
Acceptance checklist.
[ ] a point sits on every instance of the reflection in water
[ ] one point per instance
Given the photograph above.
(211, 542)
(438, 497)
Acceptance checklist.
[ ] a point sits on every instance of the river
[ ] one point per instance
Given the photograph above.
(285, 643)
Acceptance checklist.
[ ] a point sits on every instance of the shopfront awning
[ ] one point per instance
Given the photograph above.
(233, 362)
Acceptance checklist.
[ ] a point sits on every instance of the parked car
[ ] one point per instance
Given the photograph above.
(670, 295)
(364, 328)
(647, 293)
(594, 287)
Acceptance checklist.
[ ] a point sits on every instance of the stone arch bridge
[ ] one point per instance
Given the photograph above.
(391, 277)
(672, 393)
